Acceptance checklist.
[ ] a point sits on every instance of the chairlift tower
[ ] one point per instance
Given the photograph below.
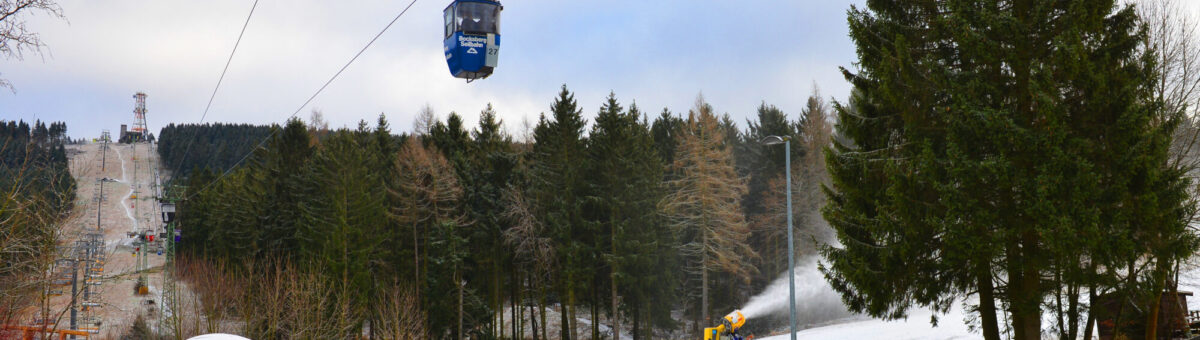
(172, 194)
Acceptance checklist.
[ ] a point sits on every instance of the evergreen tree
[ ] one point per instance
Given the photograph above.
(491, 167)
(625, 175)
(342, 219)
(992, 151)
(559, 163)
(666, 130)
(286, 152)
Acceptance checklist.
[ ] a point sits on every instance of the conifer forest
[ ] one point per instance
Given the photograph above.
(1012, 169)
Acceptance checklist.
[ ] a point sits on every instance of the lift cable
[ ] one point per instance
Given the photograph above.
(306, 102)
(191, 140)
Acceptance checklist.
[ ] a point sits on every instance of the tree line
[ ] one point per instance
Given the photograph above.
(631, 219)
(213, 146)
(37, 193)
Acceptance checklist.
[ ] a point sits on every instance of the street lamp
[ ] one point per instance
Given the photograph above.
(787, 147)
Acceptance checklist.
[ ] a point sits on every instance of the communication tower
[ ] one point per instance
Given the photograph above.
(139, 118)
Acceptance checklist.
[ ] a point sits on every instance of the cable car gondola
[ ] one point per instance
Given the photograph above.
(472, 37)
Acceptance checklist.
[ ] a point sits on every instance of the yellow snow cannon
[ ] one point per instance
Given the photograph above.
(728, 330)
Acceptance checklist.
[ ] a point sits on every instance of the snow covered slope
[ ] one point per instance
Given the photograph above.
(916, 327)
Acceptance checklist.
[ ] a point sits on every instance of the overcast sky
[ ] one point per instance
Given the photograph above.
(661, 53)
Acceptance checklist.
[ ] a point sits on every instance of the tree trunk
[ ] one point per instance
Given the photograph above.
(704, 287)
(1119, 318)
(1032, 311)
(616, 319)
(518, 318)
(1091, 318)
(1073, 311)
(1023, 304)
(616, 316)
(533, 321)
(1058, 306)
(595, 309)
(417, 266)
(565, 329)
(497, 298)
(987, 306)
(571, 322)
(637, 331)
(1159, 277)
(1152, 317)
(542, 307)
(458, 281)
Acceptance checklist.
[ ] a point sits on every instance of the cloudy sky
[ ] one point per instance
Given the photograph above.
(658, 53)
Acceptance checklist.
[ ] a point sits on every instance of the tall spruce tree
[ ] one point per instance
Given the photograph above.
(666, 130)
(988, 145)
(286, 152)
(626, 175)
(343, 218)
(490, 170)
(558, 169)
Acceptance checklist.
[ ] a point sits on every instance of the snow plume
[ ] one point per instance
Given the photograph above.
(816, 302)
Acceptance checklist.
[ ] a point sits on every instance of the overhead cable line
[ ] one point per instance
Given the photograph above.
(221, 79)
(306, 102)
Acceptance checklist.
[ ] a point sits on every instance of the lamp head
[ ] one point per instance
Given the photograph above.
(773, 140)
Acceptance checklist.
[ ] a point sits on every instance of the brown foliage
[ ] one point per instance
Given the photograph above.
(278, 300)
(704, 204)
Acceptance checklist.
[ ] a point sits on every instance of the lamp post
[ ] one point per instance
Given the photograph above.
(787, 147)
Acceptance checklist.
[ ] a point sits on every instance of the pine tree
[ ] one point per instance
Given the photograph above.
(703, 206)
(489, 172)
(666, 130)
(287, 151)
(559, 162)
(342, 220)
(625, 176)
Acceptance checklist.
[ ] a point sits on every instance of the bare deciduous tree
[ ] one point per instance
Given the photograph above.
(428, 194)
(16, 38)
(424, 121)
(1174, 36)
(703, 203)
(816, 134)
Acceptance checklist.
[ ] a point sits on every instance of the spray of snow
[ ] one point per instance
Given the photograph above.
(816, 302)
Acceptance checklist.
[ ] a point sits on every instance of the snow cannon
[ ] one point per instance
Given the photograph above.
(728, 329)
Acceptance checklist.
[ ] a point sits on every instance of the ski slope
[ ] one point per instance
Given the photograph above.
(917, 327)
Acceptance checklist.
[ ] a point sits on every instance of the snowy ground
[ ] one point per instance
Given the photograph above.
(917, 326)
(950, 326)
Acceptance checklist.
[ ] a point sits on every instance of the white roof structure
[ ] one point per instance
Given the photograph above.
(217, 336)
